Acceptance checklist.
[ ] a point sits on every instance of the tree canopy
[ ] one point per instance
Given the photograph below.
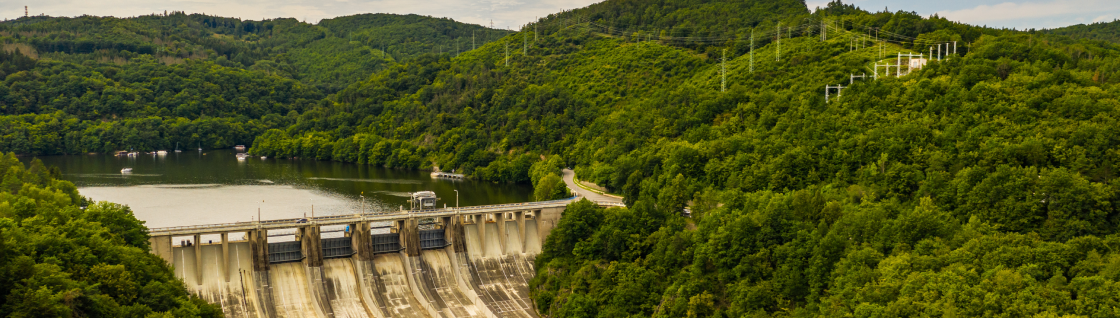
(981, 184)
(64, 256)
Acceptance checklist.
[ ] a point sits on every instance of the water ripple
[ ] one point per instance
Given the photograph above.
(396, 181)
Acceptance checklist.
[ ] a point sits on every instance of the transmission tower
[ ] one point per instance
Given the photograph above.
(778, 56)
(824, 30)
(723, 72)
(827, 88)
(852, 78)
(752, 50)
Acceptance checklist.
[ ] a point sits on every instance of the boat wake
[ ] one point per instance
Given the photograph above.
(114, 175)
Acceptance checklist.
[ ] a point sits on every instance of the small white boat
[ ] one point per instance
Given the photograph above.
(242, 156)
(126, 170)
(239, 147)
(264, 157)
(161, 152)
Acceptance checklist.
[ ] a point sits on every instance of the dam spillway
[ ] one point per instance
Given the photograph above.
(458, 265)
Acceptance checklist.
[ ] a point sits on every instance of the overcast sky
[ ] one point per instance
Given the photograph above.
(511, 13)
(1001, 13)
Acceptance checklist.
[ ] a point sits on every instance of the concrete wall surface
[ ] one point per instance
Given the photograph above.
(484, 271)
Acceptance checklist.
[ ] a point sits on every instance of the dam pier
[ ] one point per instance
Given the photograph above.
(452, 262)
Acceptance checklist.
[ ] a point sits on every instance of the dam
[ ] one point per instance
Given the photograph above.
(453, 262)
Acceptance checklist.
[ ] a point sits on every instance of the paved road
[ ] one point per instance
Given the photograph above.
(569, 179)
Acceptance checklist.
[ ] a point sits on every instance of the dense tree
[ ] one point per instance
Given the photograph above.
(982, 184)
(146, 83)
(1102, 31)
(62, 256)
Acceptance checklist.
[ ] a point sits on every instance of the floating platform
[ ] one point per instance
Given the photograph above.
(445, 175)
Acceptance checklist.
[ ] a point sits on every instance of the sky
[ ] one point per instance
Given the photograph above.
(1021, 15)
(512, 13)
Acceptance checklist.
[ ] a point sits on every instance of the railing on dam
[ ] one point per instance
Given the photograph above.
(368, 217)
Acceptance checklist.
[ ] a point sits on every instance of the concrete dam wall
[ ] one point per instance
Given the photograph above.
(480, 267)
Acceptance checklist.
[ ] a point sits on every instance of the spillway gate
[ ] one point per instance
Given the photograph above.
(283, 252)
(386, 243)
(430, 239)
(337, 247)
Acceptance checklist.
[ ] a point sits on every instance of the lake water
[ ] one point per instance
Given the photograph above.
(193, 188)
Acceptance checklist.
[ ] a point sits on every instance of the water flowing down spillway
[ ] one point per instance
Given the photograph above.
(214, 287)
(397, 297)
(488, 277)
(291, 292)
(343, 289)
(500, 284)
(435, 271)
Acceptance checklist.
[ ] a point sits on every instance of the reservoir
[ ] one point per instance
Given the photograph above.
(213, 186)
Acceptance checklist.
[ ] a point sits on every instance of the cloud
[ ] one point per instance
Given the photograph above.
(813, 5)
(1011, 12)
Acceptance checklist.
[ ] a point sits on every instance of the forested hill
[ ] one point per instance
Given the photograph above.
(983, 184)
(331, 54)
(1103, 31)
(684, 18)
(99, 84)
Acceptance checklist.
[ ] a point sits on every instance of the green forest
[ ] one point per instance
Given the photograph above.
(63, 256)
(101, 84)
(1102, 31)
(982, 184)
